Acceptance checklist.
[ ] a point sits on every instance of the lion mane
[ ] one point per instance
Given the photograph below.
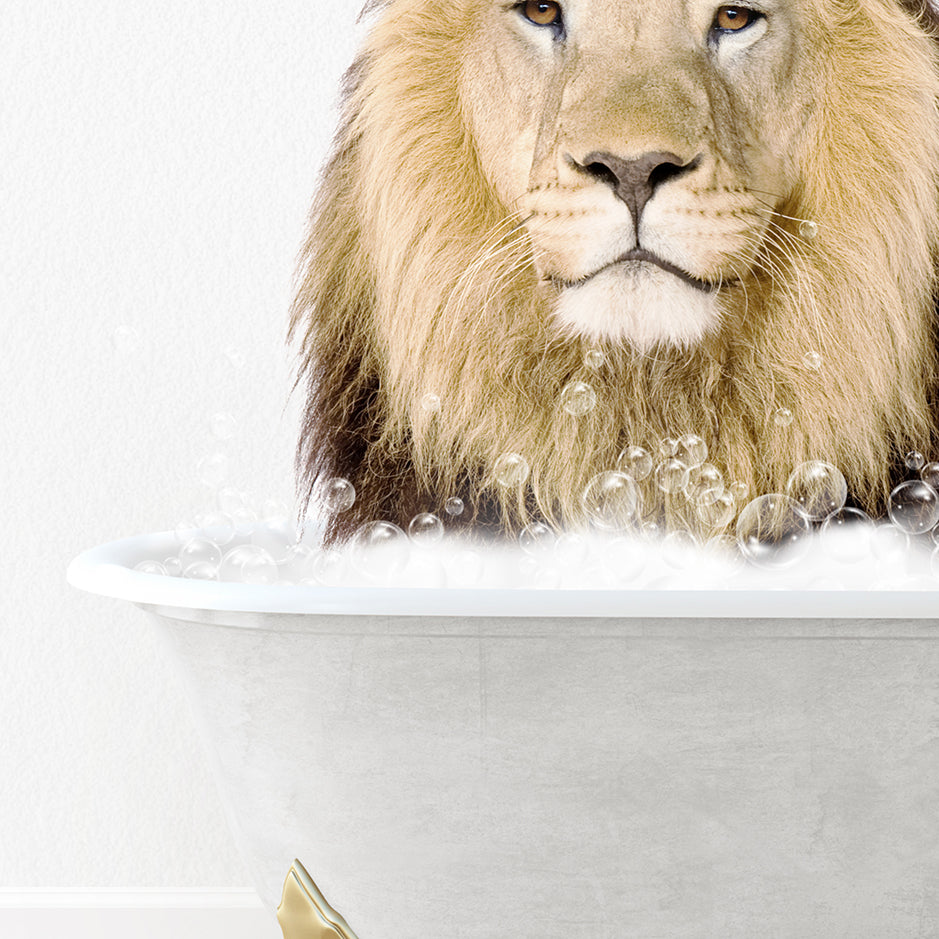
(427, 342)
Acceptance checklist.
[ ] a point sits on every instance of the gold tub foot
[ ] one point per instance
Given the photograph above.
(304, 913)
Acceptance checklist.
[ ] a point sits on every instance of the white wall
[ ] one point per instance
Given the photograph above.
(157, 162)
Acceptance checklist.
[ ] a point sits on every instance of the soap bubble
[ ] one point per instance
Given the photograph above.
(185, 531)
(691, 450)
(511, 470)
(223, 425)
(635, 462)
(276, 536)
(914, 461)
(125, 340)
(671, 475)
(578, 398)
(216, 526)
(929, 474)
(913, 507)
(329, 568)
(379, 550)
(782, 417)
(807, 229)
(248, 564)
(705, 484)
(812, 360)
(454, 506)
(244, 520)
(611, 500)
(298, 565)
(594, 359)
(425, 528)
(274, 508)
(772, 532)
(201, 570)
(679, 549)
(431, 403)
(849, 533)
(213, 470)
(740, 491)
(337, 494)
(890, 544)
(229, 499)
(173, 566)
(668, 447)
(150, 567)
(536, 539)
(818, 487)
(719, 513)
(199, 550)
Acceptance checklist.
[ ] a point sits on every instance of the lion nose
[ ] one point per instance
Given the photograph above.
(635, 181)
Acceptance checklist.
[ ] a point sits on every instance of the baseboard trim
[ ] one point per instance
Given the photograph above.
(135, 914)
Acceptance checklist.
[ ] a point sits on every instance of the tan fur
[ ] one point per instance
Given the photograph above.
(420, 277)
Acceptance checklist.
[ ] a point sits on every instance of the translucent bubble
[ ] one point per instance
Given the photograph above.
(611, 500)
(454, 506)
(235, 357)
(848, 534)
(772, 532)
(329, 568)
(299, 563)
(379, 550)
(536, 539)
(570, 549)
(578, 398)
(125, 340)
(889, 544)
(818, 487)
(425, 528)
(719, 513)
(913, 507)
(276, 536)
(201, 570)
(431, 403)
(691, 450)
(511, 470)
(248, 564)
(594, 359)
(782, 417)
(213, 470)
(229, 499)
(807, 229)
(244, 520)
(812, 360)
(337, 494)
(173, 566)
(185, 531)
(635, 462)
(671, 475)
(223, 425)
(929, 474)
(150, 567)
(678, 549)
(705, 484)
(216, 526)
(199, 550)
(668, 447)
(914, 461)
(740, 491)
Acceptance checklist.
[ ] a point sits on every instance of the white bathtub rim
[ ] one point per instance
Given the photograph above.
(107, 570)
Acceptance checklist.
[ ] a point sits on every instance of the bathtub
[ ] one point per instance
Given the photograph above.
(543, 764)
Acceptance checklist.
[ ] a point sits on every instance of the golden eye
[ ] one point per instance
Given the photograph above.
(542, 13)
(733, 19)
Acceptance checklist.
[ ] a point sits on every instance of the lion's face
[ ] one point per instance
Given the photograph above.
(645, 147)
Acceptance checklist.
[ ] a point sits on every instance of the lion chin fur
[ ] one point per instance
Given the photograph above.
(411, 283)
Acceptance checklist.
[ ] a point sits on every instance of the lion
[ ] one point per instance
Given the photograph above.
(719, 219)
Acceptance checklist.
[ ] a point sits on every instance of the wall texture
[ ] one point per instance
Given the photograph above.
(158, 163)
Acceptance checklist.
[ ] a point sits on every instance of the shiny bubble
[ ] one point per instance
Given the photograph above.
(425, 528)
(201, 570)
(679, 549)
(929, 474)
(213, 470)
(248, 564)
(812, 360)
(782, 417)
(668, 447)
(299, 563)
(244, 520)
(379, 550)
(198, 550)
(536, 539)
(337, 494)
(772, 532)
(150, 567)
(594, 359)
(807, 229)
(889, 544)
(454, 506)
(848, 535)
(125, 340)
(229, 499)
(274, 508)
(431, 403)
(330, 568)
(671, 475)
(511, 470)
(914, 461)
(740, 491)
(173, 567)
(185, 531)
(818, 487)
(216, 526)
(578, 398)
(276, 536)
(717, 514)
(223, 425)
(705, 484)
(913, 507)
(635, 462)
(611, 500)
(691, 450)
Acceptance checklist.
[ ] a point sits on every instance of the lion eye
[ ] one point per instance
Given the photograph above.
(542, 13)
(734, 19)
